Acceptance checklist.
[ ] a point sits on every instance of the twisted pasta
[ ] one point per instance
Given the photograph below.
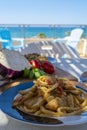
(51, 96)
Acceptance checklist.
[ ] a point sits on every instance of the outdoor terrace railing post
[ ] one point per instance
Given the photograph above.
(54, 35)
(24, 34)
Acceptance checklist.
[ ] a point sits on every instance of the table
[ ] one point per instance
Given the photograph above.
(17, 125)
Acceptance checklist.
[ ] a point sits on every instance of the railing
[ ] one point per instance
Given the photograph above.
(42, 30)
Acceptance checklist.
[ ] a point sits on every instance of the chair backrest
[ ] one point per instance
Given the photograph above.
(6, 38)
(5, 34)
(74, 37)
(76, 34)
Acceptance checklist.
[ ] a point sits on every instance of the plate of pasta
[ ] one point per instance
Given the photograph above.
(48, 96)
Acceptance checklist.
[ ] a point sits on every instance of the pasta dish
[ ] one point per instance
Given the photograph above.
(51, 96)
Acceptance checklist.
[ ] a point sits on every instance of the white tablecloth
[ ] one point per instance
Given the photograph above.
(17, 125)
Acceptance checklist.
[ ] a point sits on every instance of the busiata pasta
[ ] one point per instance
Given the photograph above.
(51, 96)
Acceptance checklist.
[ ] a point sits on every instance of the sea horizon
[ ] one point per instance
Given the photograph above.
(50, 31)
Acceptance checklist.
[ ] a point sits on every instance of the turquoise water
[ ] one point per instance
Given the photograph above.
(50, 32)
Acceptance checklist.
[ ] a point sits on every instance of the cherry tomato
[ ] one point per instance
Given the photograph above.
(60, 89)
(35, 63)
(48, 67)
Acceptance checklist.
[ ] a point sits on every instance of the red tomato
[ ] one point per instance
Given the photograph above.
(35, 63)
(48, 67)
(60, 88)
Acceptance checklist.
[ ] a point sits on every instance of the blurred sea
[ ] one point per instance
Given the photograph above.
(49, 31)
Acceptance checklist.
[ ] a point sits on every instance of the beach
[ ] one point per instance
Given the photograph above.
(81, 48)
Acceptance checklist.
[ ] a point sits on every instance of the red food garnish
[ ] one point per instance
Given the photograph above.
(35, 63)
(49, 82)
(48, 67)
(60, 89)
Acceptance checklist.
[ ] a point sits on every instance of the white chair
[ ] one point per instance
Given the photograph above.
(70, 61)
(73, 64)
(77, 67)
(73, 39)
(51, 49)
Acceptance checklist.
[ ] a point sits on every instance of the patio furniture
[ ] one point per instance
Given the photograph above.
(74, 64)
(76, 67)
(50, 49)
(10, 43)
(73, 39)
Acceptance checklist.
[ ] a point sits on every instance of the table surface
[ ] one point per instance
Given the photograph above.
(16, 125)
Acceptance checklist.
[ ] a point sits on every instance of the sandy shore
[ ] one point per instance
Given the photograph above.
(81, 48)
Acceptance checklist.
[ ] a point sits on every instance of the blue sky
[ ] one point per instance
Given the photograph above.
(43, 11)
